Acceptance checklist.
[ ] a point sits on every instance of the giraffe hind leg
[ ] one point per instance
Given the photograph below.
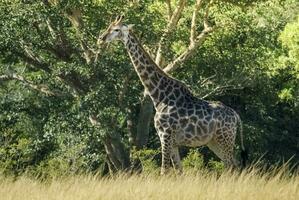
(224, 149)
(176, 160)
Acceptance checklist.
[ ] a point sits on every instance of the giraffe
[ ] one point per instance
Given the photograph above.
(181, 119)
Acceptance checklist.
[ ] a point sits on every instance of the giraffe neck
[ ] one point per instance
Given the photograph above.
(160, 86)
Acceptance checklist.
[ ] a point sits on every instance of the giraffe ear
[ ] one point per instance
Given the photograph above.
(130, 26)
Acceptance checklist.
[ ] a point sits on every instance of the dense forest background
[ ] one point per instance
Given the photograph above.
(68, 105)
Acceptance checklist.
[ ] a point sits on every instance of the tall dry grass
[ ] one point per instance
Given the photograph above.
(253, 185)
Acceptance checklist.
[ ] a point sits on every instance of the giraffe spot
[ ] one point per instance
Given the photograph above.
(161, 87)
(186, 141)
(202, 127)
(198, 107)
(160, 128)
(182, 112)
(171, 121)
(172, 97)
(190, 128)
(180, 102)
(136, 55)
(135, 61)
(162, 120)
(193, 119)
(144, 75)
(212, 126)
(234, 120)
(169, 88)
(157, 76)
(163, 81)
(171, 103)
(161, 96)
(218, 125)
(199, 114)
(209, 110)
(141, 67)
(141, 59)
(171, 109)
(224, 129)
(152, 86)
(150, 70)
(208, 118)
(174, 115)
(216, 114)
(189, 106)
(190, 112)
(183, 122)
(220, 137)
(155, 94)
(188, 98)
(154, 81)
(166, 136)
(177, 93)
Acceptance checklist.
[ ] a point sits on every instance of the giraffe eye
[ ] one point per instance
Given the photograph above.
(116, 30)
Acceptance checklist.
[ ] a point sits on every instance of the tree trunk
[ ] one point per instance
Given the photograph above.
(143, 126)
(118, 158)
(117, 155)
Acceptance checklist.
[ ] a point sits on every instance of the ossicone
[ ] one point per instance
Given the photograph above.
(119, 18)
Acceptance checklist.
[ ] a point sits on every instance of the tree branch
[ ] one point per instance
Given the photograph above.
(195, 41)
(207, 80)
(170, 27)
(75, 17)
(41, 88)
(193, 22)
(168, 2)
(71, 80)
(29, 57)
(220, 90)
(62, 48)
(38, 64)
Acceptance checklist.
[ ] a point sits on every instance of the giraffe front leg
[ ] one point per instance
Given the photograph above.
(166, 144)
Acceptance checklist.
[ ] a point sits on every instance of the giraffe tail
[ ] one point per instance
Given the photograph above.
(244, 153)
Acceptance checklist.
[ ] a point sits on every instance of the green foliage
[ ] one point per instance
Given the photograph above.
(216, 166)
(290, 40)
(193, 160)
(147, 158)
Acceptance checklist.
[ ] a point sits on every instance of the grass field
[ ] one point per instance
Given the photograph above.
(200, 185)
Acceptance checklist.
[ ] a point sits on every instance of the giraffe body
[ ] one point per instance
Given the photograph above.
(181, 119)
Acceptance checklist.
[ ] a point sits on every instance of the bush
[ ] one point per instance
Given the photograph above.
(194, 160)
(147, 158)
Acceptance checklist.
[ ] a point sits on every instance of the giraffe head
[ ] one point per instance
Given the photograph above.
(116, 31)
